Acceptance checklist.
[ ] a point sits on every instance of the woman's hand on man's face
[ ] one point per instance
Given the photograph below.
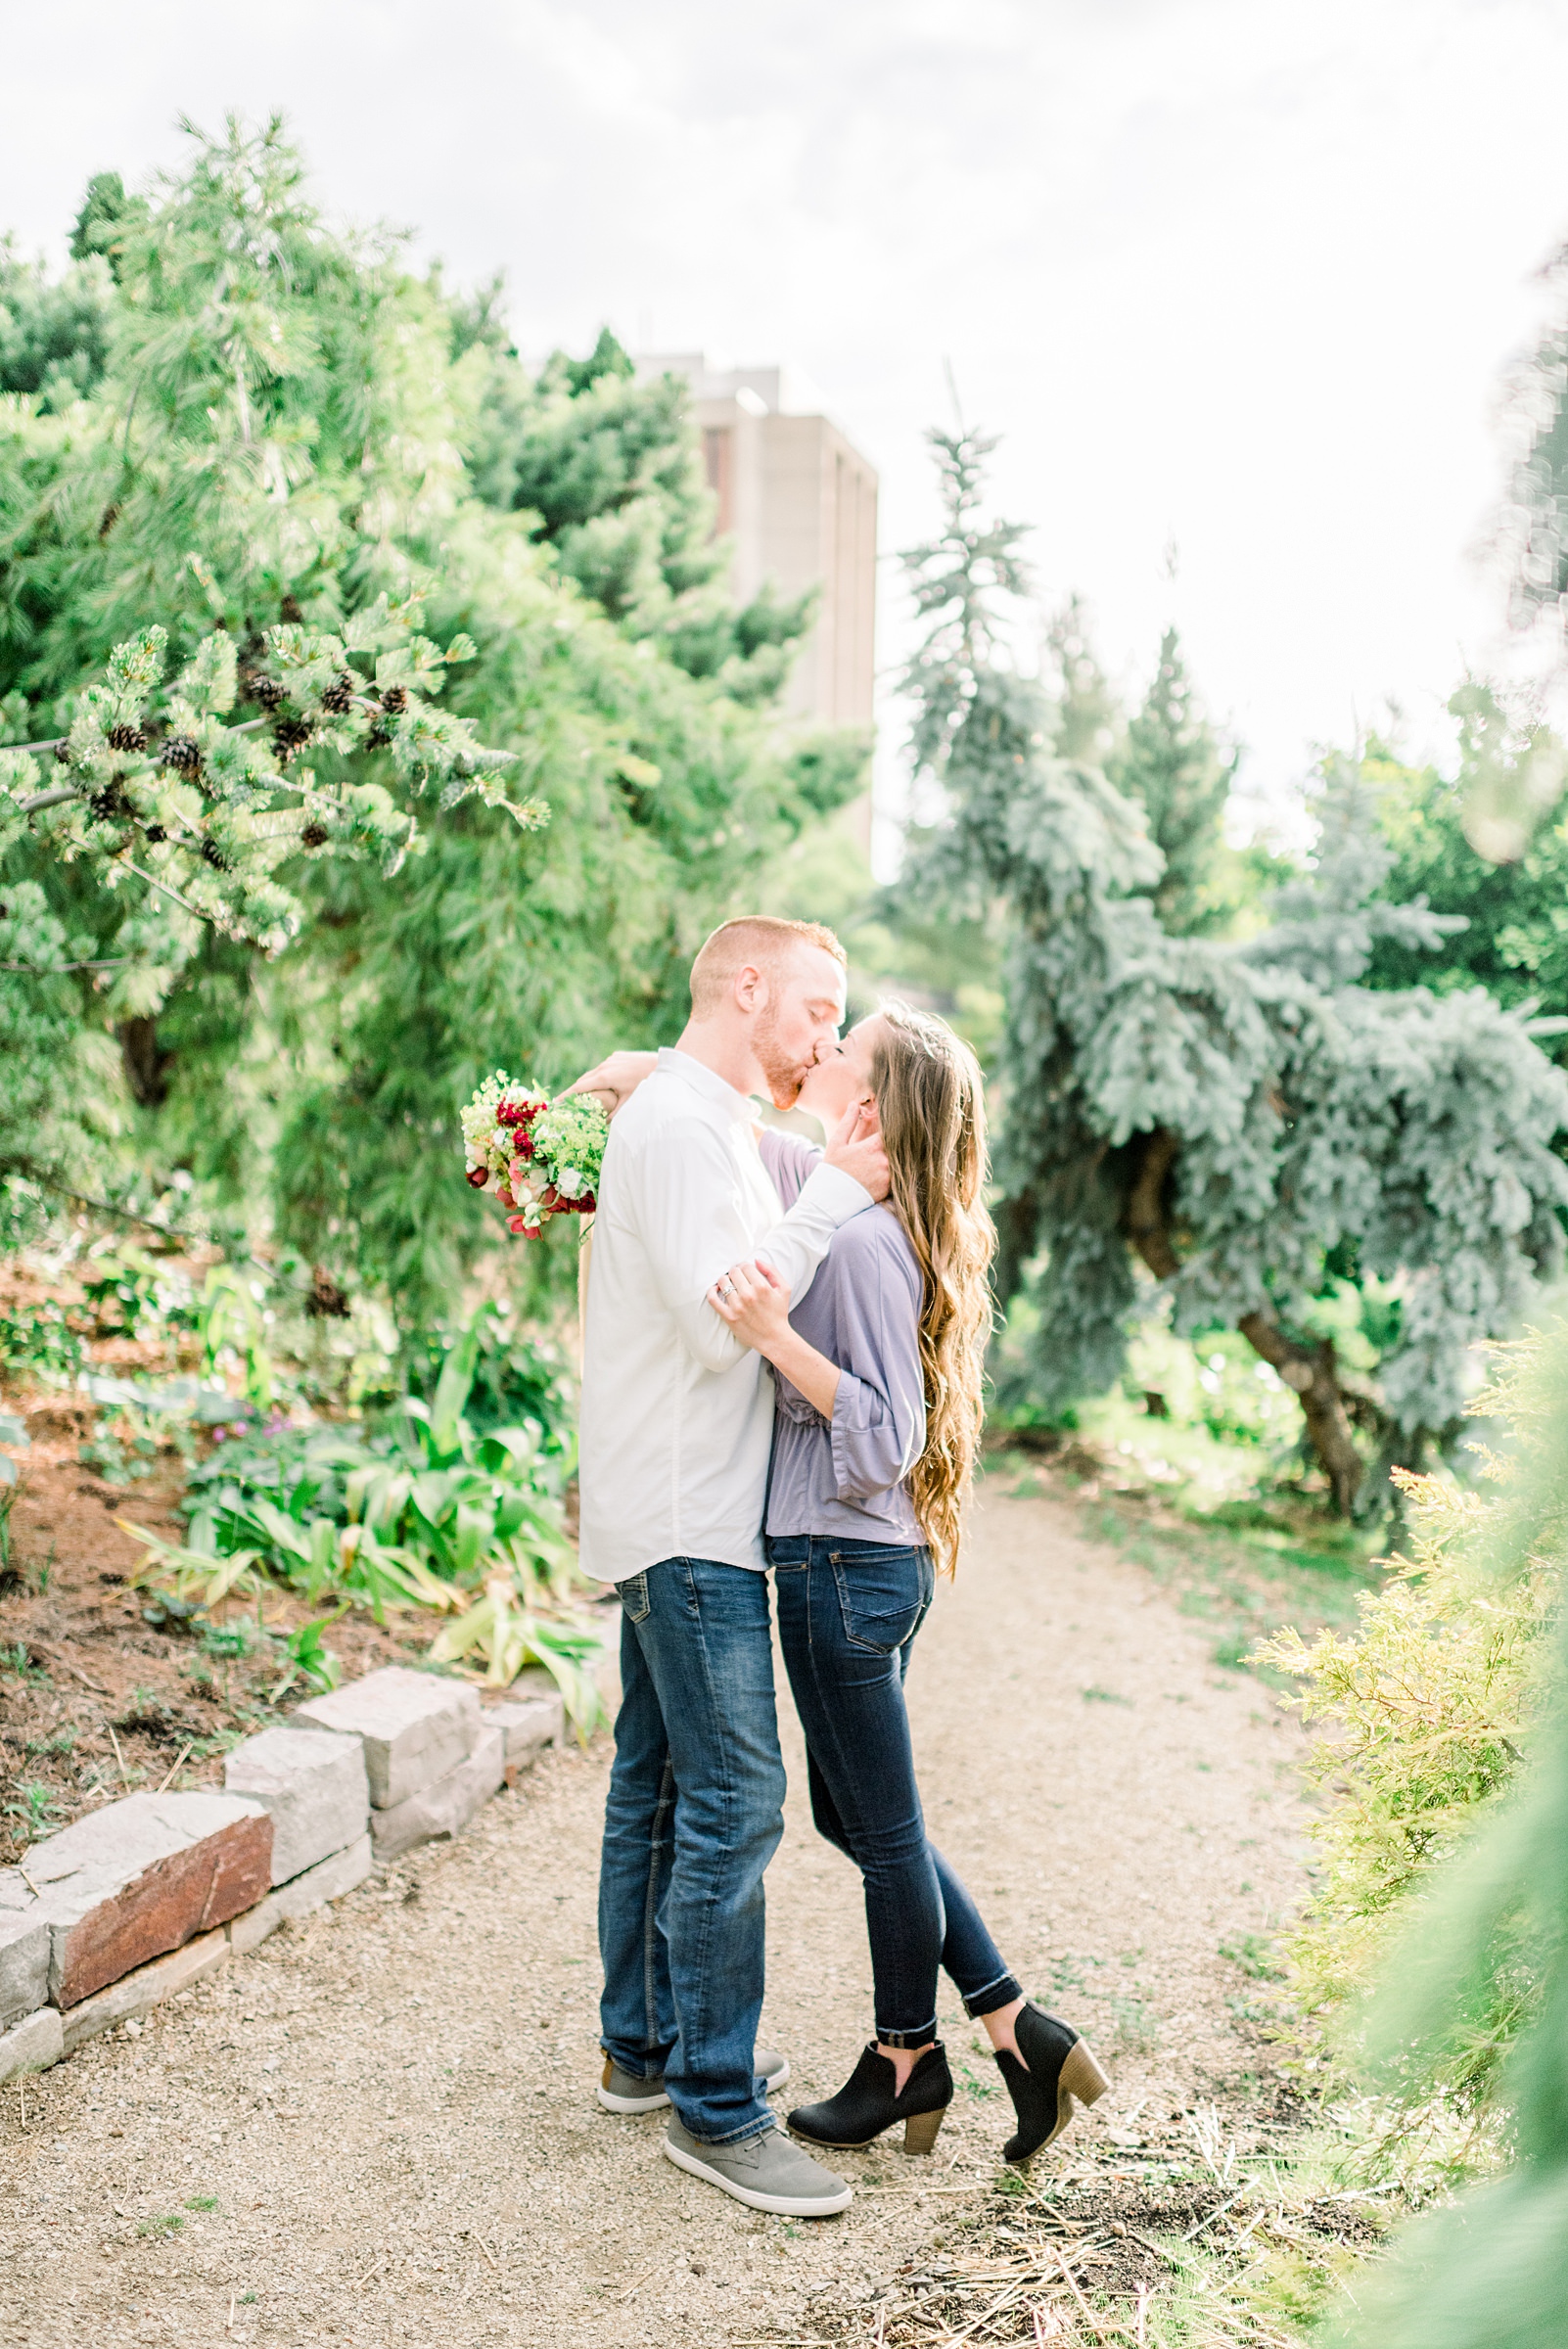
(854, 1146)
(755, 1302)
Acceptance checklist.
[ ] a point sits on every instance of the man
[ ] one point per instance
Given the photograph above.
(676, 1432)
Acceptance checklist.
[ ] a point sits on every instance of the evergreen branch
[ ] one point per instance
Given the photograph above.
(172, 1231)
(62, 970)
(183, 903)
(46, 799)
(58, 741)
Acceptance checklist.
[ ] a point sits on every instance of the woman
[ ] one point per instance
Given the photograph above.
(878, 1412)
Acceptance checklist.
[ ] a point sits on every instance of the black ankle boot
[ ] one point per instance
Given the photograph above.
(866, 2103)
(1059, 2067)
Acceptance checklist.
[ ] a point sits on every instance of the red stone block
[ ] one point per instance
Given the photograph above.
(142, 1877)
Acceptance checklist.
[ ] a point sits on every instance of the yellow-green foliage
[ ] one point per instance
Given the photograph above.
(1427, 1712)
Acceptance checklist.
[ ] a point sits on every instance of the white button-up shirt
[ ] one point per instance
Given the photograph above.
(677, 1414)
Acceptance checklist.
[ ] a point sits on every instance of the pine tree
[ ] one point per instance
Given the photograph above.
(1237, 1118)
(1086, 720)
(54, 334)
(606, 467)
(1169, 762)
(1509, 934)
(272, 464)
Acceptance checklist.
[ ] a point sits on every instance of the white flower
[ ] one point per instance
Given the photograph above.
(569, 1182)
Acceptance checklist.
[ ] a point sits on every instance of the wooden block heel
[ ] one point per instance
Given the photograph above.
(920, 2131)
(1057, 2071)
(1082, 2076)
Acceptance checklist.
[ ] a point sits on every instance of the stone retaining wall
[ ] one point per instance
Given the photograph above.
(140, 1899)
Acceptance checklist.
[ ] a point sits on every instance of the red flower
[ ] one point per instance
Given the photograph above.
(478, 1177)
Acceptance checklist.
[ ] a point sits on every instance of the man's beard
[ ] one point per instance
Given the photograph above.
(784, 1076)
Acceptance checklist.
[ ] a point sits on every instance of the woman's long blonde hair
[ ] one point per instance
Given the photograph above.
(931, 1099)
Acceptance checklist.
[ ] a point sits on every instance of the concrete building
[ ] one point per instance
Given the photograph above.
(801, 505)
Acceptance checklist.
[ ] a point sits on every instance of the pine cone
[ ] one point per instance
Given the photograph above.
(291, 735)
(267, 691)
(63, 752)
(395, 699)
(377, 738)
(340, 694)
(181, 754)
(326, 1301)
(213, 855)
(110, 515)
(109, 803)
(128, 738)
(314, 836)
(155, 832)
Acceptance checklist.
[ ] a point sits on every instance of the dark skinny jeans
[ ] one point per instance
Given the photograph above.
(848, 1615)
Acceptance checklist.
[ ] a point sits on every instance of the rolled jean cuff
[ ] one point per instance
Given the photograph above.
(907, 2039)
(1000, 1993)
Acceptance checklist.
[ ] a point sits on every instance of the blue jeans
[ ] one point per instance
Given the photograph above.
(848, 1615)
(694, 1814)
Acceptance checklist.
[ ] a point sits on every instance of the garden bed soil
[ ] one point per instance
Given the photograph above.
(94, 1700)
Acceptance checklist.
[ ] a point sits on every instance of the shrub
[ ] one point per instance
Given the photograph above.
(1427, 1709)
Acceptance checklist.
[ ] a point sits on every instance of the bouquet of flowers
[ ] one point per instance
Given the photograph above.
(540, 1157)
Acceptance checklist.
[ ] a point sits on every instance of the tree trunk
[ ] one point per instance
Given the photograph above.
(1017, 1229)
(145, 1062)
(1308, 1370)
(1147, 1226)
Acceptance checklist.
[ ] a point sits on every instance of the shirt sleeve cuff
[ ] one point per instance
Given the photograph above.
(837, 1195)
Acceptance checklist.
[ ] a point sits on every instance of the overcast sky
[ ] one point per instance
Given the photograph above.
(1232, 275)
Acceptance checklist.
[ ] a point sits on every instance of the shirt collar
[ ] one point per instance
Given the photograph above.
(738, 1106)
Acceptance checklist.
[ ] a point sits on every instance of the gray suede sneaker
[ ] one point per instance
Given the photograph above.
(623, 2092)
(767, 2172)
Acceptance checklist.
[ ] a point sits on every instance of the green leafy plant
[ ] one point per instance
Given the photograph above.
(228, 1642)
(130, 1295)
(426, 1513)
(38, 1342)
(34, 1805)
(308, 1658)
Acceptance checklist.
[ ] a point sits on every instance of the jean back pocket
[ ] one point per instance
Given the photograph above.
(883, 1594)
(634, 1596)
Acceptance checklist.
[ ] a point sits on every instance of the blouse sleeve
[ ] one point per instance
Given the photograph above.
(789, 1159)
(878, 1428)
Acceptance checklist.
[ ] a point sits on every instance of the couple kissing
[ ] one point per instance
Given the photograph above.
(860, 1273)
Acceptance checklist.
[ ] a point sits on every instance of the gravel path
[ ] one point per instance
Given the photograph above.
(380, 2126)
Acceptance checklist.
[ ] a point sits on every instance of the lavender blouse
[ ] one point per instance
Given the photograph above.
(863, 1311)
